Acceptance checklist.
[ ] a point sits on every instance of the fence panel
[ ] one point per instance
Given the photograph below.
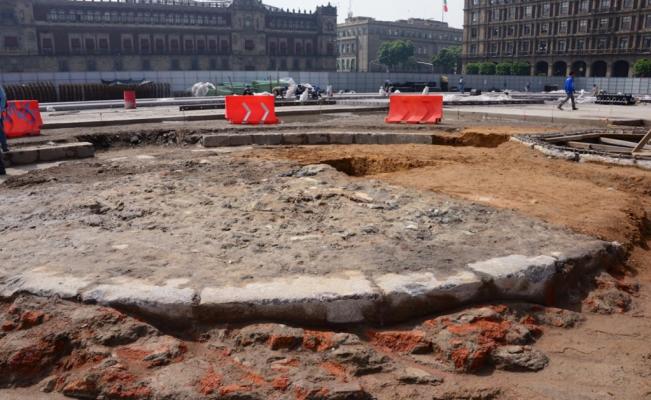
(357, 81)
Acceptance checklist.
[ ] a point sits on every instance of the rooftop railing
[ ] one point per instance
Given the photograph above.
(186, 3)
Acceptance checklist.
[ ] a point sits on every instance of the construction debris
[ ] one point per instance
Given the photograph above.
(629, 144)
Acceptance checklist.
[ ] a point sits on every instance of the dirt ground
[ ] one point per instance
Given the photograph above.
(595, 348)
(603, 201)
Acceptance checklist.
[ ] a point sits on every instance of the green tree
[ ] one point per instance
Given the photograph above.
(504, 68)
(520, 68)
(396, 52)
(487, 68)
(472, 68)
(642, 68)
(447, 60)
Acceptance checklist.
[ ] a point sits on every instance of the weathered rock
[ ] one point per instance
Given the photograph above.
(607, 301)
(555, 317)
(360, 359)
(467, 339)
(346, 391)
(470, 394)
(519, 358)
(403, 342)
(611, 295)
(415, 376)
(312, 170)
(275, 336)
(84, 388)
(26, 360)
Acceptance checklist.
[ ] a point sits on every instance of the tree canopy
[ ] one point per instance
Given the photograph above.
(395, 52)
(642, 68)
(447, 59)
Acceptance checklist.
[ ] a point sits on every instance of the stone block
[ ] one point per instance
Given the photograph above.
(318, 138)
(86, 151)
(53, 153)
(227, 140)
(341, 138)
(240, 140)
(66, 151)
(214, 140)
(22, 156)
(294, 139)
(404, 138)
(267, 139)
(366, 138)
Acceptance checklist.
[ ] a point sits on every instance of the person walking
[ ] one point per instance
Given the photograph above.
(462, 85)
(569, 91)
(3, 139)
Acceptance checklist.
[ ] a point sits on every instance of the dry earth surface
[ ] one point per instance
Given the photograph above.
(594, 346)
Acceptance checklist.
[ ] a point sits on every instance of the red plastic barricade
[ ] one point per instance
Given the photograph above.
(251, 110)
(129, 100)
(22, 118)
(415, 109)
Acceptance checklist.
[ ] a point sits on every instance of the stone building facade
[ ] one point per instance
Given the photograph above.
(359, 40)
(594, 38)
(143, 35)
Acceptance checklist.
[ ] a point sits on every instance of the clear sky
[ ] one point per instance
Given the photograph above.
(388, 10)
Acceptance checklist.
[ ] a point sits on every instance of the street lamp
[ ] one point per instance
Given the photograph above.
(426, 63)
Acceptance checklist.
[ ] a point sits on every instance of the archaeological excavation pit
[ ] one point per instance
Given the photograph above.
(211, 235)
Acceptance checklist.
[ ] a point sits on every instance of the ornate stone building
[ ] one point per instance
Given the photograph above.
(359, 40)
(134, 35)
(595, 38)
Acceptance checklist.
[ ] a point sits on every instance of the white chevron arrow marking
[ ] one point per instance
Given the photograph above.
(248, 112)
(266, 113)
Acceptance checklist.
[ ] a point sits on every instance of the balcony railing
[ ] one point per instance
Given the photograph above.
(569, 52)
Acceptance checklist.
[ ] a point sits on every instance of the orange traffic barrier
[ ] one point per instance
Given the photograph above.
(256, 110)
(414, 109)
(22, 118)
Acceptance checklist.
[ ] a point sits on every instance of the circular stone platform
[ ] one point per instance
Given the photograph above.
(213, 235)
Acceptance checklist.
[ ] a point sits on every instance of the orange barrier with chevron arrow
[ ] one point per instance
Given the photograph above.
(414, 109)
(254, 110)
(22, 118)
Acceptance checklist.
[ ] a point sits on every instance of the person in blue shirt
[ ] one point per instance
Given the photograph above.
(569, 90)
(3, 138)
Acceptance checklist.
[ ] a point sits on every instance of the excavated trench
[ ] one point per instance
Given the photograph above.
(367, 165)
(363, 166)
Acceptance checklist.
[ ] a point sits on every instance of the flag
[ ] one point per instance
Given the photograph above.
(445, 5)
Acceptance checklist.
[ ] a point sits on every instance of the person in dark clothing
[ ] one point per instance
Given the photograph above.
(569, 91)
(3, 139)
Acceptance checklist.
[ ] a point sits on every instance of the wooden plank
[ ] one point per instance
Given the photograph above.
(584, 136)
(643, 142)
(623, 143)
(568, 138)
(599, 147)
(634, 136)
